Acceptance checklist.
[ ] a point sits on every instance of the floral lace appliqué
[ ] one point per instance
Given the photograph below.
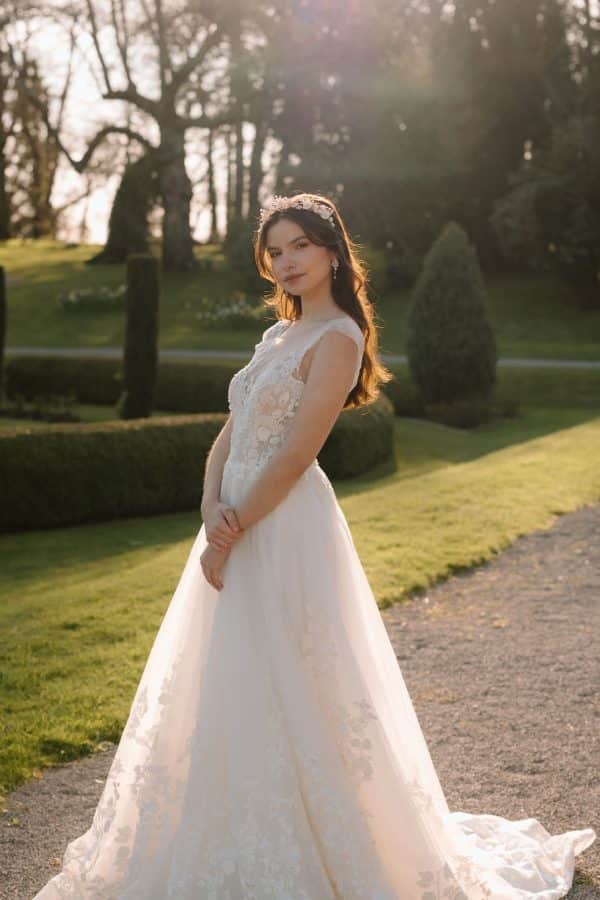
(265, 394)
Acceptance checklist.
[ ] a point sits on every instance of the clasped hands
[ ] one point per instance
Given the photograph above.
(222, 531)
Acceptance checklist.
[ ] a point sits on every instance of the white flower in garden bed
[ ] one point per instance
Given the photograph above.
(93, 299)
(238, 309)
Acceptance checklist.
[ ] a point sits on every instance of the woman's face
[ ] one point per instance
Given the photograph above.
(298, 265)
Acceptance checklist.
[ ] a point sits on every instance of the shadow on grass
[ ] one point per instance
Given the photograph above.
(39, 553)
(422, 446)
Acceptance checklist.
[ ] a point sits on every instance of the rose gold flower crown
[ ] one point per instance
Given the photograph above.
(302, 202)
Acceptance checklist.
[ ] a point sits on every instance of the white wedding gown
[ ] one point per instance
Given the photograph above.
(272, 751)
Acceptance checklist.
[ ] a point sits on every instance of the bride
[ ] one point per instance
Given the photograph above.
(272, 751)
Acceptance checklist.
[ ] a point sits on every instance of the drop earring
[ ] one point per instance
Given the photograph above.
(334, 265)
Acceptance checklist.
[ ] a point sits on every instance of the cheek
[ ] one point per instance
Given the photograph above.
(316, 262)
(276, 267)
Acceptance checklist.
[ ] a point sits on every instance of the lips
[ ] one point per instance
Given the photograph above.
(293, 277)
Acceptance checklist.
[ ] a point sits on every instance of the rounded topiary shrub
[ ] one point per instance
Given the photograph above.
(451, 345)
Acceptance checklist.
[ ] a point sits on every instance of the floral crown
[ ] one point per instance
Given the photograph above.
(303, 202)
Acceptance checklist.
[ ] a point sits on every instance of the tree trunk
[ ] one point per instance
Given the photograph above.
(5, 231)
(238, 202)
(229, 181)
(255, 169)
(212, 191)
(176, 193)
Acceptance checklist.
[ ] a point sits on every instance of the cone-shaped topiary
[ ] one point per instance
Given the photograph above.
(451, 344)
(140, 362)
(2, 328)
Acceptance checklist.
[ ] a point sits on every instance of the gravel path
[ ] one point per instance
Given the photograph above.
(503, 667)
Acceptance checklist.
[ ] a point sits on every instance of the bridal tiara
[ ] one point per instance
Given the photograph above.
(302, 202)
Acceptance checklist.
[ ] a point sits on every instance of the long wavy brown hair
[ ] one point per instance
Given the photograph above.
(348, 289)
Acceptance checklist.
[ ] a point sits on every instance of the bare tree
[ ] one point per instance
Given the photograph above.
(139, 46)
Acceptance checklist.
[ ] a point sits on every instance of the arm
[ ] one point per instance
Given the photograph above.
(327, 386)
(213, 469)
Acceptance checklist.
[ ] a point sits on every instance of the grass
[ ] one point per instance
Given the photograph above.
(82, 605)
(528, 310)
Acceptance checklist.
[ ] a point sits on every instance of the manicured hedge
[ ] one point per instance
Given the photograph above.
(201, 385)
(183, 386)
(60, 475)
(360, 439)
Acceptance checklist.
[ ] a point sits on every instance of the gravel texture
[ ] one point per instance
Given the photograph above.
(502, 664)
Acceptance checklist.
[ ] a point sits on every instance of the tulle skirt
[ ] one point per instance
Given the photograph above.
(272, 751)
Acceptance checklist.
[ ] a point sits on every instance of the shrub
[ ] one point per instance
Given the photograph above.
(60, 475)
(183, 386)
(451, 345)
(89, 379)
(550, 217)
(53, 408)
(361, 438)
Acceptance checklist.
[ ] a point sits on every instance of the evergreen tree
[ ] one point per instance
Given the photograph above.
(451, 344)
(140, 364)
(2, 329)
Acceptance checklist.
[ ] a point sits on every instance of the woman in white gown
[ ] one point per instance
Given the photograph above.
(272, 751)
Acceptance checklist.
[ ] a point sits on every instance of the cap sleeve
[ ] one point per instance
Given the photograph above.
(349, 327)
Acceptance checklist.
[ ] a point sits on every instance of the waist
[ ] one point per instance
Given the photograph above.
(235, 464)
(239, 475)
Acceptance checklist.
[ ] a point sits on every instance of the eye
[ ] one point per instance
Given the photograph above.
(302, 244)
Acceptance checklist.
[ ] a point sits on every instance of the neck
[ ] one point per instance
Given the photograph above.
(313, 311)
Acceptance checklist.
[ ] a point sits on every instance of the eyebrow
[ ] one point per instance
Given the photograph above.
(293, 241)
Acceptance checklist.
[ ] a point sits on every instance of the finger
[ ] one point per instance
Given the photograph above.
(226, 533)
(207, 574)
(226, 540)
(210, 580)
(231, 519)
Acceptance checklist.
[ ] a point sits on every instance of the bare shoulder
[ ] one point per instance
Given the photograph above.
(345, 325)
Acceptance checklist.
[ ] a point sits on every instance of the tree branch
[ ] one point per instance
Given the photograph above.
(131, 95)
(96, 41)
(164, 61)
(121, 40)
(181, 74)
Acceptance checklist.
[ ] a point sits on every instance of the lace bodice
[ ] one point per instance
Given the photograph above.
(264, 395)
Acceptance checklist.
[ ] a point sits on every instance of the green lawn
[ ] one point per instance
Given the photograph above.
(527, 311)
(81, 605)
